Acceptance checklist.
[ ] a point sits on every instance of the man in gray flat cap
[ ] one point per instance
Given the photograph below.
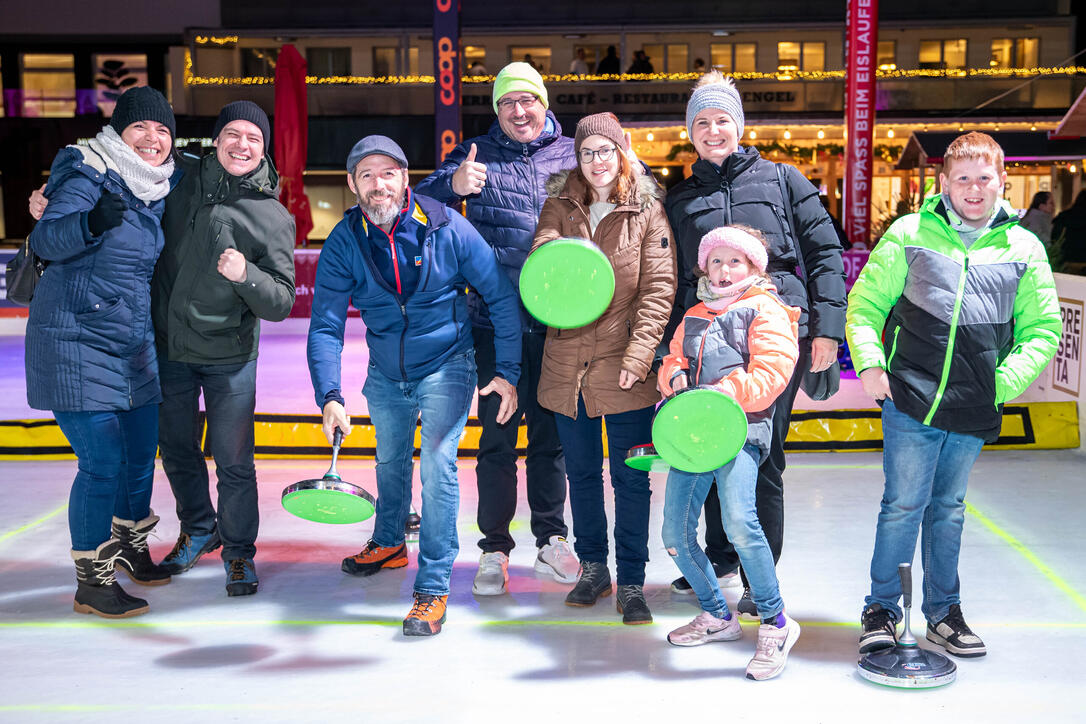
(405, 260)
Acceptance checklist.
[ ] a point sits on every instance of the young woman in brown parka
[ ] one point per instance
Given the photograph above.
(604, 370)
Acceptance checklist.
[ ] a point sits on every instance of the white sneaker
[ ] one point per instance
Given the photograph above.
(772, 649)
(493, 574)
(705, 629)
(556, 559)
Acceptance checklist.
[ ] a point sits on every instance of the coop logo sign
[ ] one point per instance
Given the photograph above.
(446, 70)
(1067, 364)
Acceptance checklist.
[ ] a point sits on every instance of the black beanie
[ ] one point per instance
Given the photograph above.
(142, 103)
(244, 111)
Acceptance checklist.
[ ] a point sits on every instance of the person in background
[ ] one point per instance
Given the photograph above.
(603, 371)
(1069, 230)
(1038, 217)
(610, 63)
(406, 260)
(502, 176)
(579, 66)
(90, 347)
(641, 63)
(954, 315)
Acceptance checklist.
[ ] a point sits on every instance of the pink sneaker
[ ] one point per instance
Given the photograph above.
(772, 649)
(705, 629)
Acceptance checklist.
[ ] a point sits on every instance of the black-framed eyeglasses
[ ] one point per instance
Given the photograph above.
(604, 154)
(507, 104)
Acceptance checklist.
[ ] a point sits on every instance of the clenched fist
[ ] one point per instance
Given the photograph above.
(232, 265)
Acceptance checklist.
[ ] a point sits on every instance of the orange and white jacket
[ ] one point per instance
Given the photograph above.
(747, 350)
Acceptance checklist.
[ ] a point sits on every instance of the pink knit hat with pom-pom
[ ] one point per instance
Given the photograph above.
(733, 238)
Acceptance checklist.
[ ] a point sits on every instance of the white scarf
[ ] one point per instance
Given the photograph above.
(146, 182)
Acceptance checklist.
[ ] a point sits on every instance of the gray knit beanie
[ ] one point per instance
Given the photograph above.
(716, 95)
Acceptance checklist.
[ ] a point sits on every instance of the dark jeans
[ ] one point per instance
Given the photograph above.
(583, 442)
(496, 468)
(230, 401)
(116, 452)
(769, 490)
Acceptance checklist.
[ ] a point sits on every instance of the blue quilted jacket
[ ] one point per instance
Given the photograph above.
(89, 341)
(507, 209)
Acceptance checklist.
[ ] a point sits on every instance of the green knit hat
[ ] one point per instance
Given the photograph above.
(519, 77)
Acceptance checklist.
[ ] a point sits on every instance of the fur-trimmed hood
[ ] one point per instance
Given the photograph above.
(565, 185)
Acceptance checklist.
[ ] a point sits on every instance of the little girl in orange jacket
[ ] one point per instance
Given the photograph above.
(742, 340)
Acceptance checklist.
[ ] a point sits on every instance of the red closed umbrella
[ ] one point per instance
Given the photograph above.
(292, 138)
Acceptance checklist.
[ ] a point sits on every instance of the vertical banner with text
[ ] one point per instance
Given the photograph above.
(863, 43)
(447, 72)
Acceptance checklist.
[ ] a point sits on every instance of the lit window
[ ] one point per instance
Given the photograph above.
(793, 56)
(733, 57)
(538, 56)
(887, 55)
(328, 62)
(384, 61)
(475, 60)
(114, 74)
(936, 54)
(259, 62)
(48, 85)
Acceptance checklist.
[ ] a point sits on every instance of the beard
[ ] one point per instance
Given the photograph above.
(383, 210)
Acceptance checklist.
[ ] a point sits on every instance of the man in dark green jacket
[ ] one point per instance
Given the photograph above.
(228, 263)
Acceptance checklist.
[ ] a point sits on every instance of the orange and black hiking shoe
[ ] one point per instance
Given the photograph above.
(426, 615)
(374, 558)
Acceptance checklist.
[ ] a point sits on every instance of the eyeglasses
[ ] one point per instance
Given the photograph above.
(507, 104)
(604, 154)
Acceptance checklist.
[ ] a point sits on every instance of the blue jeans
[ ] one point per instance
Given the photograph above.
(582, 440)
(230, 400)
(735, 486)
(926, 470)
(116, 452)
(442, 399)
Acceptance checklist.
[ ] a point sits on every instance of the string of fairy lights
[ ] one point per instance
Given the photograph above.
(191, 79)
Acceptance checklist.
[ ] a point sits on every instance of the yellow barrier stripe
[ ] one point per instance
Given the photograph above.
(1028, 426)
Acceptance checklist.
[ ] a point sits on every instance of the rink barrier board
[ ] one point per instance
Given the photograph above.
(1028, 426)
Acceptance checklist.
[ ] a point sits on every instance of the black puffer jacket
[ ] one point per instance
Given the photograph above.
(745, 190)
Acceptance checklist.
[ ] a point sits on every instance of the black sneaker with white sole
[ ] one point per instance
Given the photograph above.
(745, 607)
(954, 635)
(682, 587)
(878, 629)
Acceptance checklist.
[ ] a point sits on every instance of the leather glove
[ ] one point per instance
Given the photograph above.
(106, 214)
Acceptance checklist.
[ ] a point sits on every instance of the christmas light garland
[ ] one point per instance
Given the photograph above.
(191, 79)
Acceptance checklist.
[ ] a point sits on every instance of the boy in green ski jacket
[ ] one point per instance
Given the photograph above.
(954, 314)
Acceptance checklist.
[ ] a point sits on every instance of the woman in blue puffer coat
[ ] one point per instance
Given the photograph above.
(90, 348)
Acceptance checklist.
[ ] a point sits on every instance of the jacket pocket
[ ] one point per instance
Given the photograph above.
(106, 326)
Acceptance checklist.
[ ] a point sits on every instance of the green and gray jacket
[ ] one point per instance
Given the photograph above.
(959, 331)
(201, 317)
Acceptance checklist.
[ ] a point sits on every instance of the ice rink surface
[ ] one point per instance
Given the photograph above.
(316, 644)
